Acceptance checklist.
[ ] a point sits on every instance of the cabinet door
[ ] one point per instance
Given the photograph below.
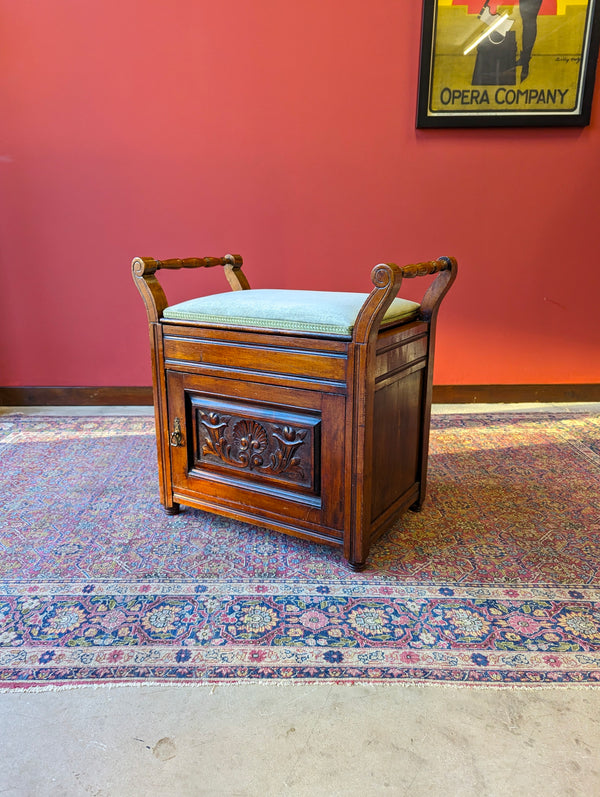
(258, 452)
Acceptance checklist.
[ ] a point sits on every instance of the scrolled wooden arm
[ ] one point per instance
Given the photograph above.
(387, 278)
(145, 268)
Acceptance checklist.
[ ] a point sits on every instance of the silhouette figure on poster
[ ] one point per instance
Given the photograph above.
(529, 10)
(496, 63)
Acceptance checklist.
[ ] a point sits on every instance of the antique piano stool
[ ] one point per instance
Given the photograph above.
(306, 412)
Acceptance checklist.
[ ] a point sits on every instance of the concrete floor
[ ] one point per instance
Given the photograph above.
(306, 741)
(266, 740)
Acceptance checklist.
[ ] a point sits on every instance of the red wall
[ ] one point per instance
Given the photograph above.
(283, 131)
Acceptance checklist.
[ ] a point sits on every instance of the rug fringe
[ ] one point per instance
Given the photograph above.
(282, 683)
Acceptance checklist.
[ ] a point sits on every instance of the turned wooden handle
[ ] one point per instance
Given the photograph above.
(148, 265)
(200, 262)
(430, 267)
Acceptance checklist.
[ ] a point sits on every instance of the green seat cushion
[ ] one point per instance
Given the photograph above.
(307, 311)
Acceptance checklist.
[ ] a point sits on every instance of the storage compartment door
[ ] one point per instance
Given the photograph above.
(260, 450)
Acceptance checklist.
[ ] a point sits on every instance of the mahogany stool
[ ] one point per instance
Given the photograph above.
(306, 412)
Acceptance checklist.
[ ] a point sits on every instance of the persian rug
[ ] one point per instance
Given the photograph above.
(496, 581)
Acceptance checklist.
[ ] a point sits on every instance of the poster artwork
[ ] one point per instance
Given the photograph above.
(507, 59)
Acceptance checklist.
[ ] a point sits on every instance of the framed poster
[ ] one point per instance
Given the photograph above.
(491, 64)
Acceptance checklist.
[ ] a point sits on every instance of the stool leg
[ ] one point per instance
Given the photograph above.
(356, 566)
(356, 547)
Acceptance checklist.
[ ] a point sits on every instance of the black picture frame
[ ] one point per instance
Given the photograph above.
(472, 75)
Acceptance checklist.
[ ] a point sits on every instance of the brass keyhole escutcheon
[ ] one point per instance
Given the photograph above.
(176, 436)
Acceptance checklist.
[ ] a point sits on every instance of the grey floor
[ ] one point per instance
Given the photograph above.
(301, 740)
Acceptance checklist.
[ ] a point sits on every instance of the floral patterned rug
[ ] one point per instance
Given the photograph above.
(497, 581)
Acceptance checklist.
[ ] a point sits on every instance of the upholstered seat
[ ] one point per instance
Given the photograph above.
(330, 312)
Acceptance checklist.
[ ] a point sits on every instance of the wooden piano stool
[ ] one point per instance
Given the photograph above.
(306, 412)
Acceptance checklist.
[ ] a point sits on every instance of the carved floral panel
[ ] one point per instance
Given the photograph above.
(256, 443)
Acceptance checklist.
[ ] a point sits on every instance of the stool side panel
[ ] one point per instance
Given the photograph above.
(397, 432)
(401, 410)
